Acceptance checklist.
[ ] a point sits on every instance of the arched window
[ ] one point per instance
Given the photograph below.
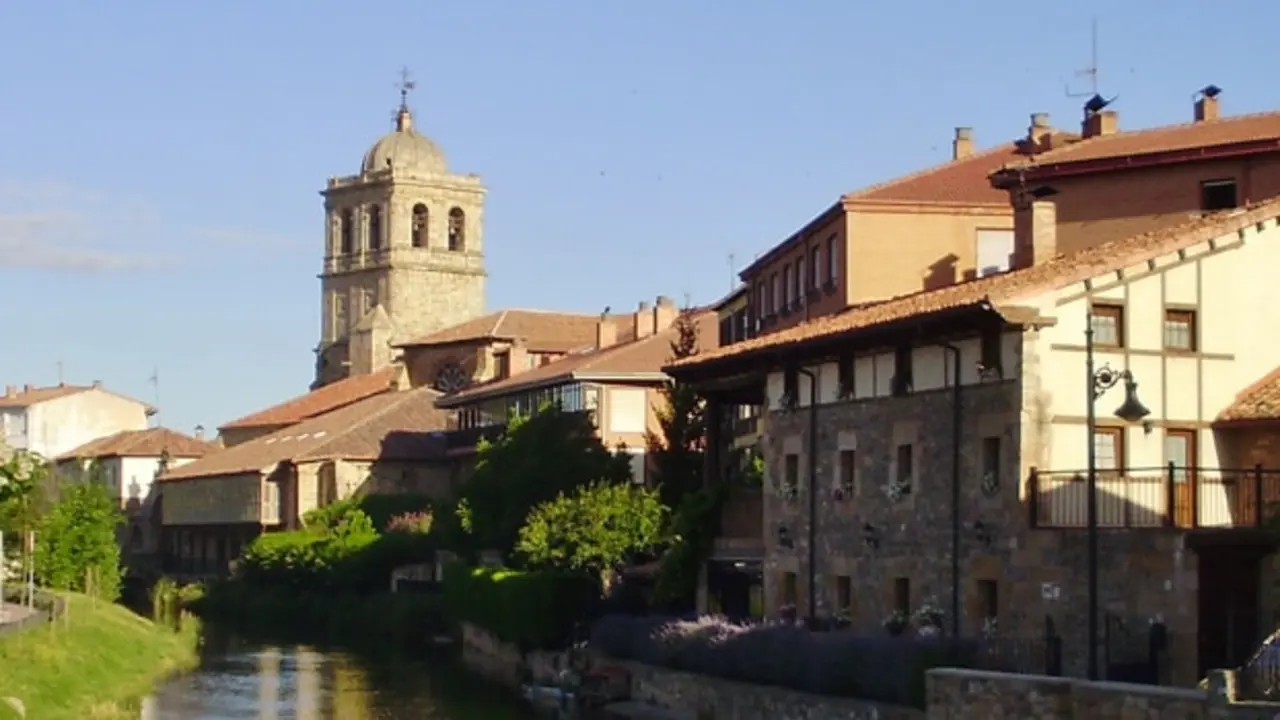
(420, 218)
(347, 233)
(375, 227)
(457, 229)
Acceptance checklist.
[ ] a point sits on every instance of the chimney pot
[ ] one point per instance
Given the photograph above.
(97, 384)
(28, 388)
(962, 145)
(199, 432)
(1103, 122)
(1039, 134)
(10, 391)
(643, 321)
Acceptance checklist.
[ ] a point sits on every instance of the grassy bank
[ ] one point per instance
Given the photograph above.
(95, 663)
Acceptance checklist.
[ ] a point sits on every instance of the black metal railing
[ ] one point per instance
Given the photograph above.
(1168, 497)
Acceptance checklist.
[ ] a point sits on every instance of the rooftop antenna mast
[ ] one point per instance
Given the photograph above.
(733, 278)
(1090, 72)
(154, 380)
(59, 372)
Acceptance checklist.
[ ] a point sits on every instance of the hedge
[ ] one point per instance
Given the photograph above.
(534, 610)
(875, 668)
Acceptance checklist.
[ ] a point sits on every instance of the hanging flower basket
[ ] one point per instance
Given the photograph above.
(896, 623)
(895, 490)
(928, 618)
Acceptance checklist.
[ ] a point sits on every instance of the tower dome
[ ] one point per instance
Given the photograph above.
(405, 149)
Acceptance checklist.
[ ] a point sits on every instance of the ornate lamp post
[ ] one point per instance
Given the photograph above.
(1100, 380)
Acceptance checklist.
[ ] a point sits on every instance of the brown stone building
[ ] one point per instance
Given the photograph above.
(387, 442)
(969, 494)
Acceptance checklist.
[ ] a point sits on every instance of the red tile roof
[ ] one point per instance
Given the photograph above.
(1056, 272)
(29, 395)
(1171, 138)
(152, 442)
(955, 182)
(392, 425)
(541, 330)
(1259, 401)
(320, 401)
(636, 358)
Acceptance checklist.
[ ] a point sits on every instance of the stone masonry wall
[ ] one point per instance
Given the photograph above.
(1039, 575)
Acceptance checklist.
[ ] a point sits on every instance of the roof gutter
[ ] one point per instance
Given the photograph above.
(792, 240)
(463, 400)
(1008, 177)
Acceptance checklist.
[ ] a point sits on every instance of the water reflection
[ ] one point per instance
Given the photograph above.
(300, 682)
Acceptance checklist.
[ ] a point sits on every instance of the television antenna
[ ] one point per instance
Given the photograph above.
(1090, 72)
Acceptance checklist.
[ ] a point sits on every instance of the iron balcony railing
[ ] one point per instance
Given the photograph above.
(1168, 497)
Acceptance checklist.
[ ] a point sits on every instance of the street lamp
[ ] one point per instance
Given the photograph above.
(1101, 380)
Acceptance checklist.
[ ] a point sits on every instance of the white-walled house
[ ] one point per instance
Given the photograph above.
(51, 421)
(127, 463)
(1186, 311)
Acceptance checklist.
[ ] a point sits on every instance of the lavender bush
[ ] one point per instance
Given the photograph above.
(875, 668)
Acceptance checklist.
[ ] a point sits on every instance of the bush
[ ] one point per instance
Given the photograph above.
(875, 668)
(537, 610)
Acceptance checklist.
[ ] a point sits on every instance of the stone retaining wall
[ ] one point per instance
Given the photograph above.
(504, 664)
(978, 695)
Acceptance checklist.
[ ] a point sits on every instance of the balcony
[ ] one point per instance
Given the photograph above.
(741, 524)
(1172, 497)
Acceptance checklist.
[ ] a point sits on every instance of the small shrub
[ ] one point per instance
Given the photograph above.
(876, 668)
(533, 610)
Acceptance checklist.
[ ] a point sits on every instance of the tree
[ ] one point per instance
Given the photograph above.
(676, 451)
(24, 484)
(593, 529)
(76, 547)
(536, 459)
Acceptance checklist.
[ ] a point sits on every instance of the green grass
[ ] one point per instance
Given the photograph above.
(93, 664)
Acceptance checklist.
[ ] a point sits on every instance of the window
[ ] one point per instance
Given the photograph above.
(789, 588)
(1180, 330)
(990, 462)
(791, 385)
(905, 470)
(1180, 451)
(1107, 322)
(902, 595)
(1108, 448)
(789, 290)
(844, 592)
(989, 599)
(815, 262)
(420, 224)
(832, 270)
(375, 227)
(991, 351)
(902, 370)
(848, 471)
(791, 472)
(346, 232)
(845, 368)
(726, 332)
(457, 229)
(801, 279)
(504, 364)
(1218, 195)
(775, 297)
(995, 251)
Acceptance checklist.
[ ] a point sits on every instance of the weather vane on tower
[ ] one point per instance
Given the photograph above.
(405, 85)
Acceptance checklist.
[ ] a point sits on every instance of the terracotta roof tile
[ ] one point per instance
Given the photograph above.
(28, 395)
(1057, 272)
(151, 442)
(634, 357)
(1187, 136)
(392, 425)
(330, 397)
(1259, 401)
(541, 330)
(961, 182)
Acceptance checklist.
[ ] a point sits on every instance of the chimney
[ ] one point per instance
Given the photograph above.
(643, 321)
(962, 145)
(517, 358)
(10, 391)
(200, 432)
(664, 313)
(1207, 103)
(28, 388)
(97, 384)
(1035, 232)
(606, 332)
(1040, 133)
(1103, 122)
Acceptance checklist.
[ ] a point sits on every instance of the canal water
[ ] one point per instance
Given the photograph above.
(241, 679)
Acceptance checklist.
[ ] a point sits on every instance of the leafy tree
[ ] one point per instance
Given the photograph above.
(592, 529)
(76, 546)
(24, 485)
(676, 451)
(536, 459)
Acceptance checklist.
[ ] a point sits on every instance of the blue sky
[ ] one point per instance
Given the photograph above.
(160, 161)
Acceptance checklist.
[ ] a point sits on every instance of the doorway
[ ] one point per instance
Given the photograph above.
(1228, 606)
